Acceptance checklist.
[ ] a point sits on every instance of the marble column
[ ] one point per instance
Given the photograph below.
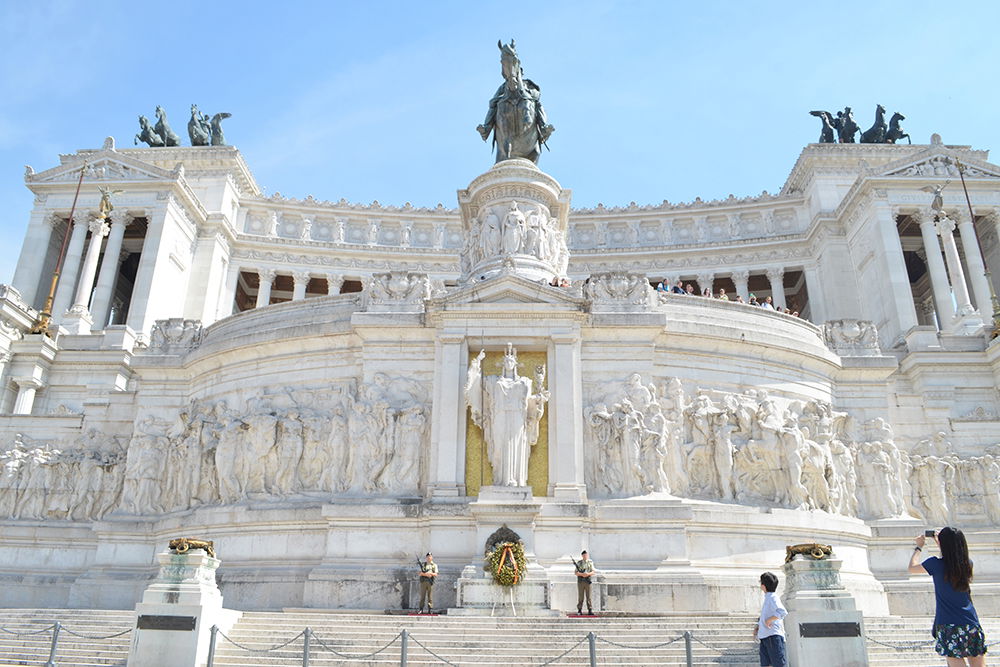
(776, 276)
(974, 260)
(267, 277)
(71, 265)
(26, 389)
(109, 269)
(935, 266)
(334, 281)
(447, 460)
(28, 279)
(705, 281)
(817, 309)
(946, 228)
(741, 279)
(566, 463)
(227, 302)
(98, 230)
(301, 281)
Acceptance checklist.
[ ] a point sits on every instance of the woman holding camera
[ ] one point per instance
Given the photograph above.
(959, 635)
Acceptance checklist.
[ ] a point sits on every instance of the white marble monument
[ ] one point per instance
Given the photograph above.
(291, 378)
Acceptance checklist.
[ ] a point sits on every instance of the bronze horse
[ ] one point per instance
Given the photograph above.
(876, 133)
(895, 132)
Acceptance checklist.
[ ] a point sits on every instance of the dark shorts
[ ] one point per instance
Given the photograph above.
(772, 651)
(959, 641)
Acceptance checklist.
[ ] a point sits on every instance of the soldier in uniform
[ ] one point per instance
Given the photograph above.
(584, 572)
(428, 573)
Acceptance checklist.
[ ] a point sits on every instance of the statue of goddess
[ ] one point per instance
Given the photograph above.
(508, 412)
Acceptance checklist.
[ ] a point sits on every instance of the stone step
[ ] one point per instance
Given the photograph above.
(71, 651)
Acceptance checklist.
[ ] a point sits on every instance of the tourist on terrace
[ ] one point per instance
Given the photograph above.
(678, 288)
(660, 287)
(959, 635)
(739, 298)
(770, 630)
(707, 293)
(689, 289)
(768, 305)
(722, 294)
(753, 300)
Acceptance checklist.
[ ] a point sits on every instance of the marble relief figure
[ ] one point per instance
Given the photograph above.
(508, 409)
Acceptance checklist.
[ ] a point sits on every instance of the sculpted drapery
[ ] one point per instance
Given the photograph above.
(506, 409)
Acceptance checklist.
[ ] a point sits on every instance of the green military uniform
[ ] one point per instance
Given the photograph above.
(427, 585)
(583, 586)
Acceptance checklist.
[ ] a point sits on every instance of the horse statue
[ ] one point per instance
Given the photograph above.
(895, 132)
(199, 129)
(163, 129)
(848, 127)
(515, 116)
(876, 133)
(218, 138)
(147, 134)
(830, 124)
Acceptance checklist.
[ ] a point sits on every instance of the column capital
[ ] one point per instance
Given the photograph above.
(960, 216)
(706, 277)
(301, 277)
(267, 275)
(82, 218)
(775, 273)
(945, 226)
(122, 218)
(924, 216)
(98, 227)
(741, 276)
(53, 219)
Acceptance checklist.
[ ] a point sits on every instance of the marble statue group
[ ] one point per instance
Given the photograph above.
(509, 230)
(746, 447)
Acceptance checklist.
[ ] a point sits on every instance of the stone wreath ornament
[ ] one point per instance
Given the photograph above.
(506, 563)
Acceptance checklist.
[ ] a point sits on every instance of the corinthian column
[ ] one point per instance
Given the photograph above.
(740, 279)
(301, 280)
(109, 268)
(267, 277)
(946, 228)
(71, 265)
(974, 260)
(935, 266)
(98, 230)
(334, 281)
(777, 278)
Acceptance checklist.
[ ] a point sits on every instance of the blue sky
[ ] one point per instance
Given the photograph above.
(380, 100)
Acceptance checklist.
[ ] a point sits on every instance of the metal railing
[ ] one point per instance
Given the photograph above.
(56, 628)
(404, 638)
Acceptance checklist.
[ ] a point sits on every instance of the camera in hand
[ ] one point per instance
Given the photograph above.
(929, 532)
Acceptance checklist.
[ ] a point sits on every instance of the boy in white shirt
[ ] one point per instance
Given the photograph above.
(770, 628)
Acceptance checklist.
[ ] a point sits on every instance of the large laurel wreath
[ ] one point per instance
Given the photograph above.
(506, 563)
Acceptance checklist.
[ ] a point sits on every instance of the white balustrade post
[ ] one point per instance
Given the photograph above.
(267, 277)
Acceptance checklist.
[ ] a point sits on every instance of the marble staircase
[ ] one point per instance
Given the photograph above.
(459, 640)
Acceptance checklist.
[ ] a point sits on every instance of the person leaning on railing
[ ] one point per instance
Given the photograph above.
(957, 631)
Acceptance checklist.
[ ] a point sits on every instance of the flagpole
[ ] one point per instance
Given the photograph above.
(45, 317)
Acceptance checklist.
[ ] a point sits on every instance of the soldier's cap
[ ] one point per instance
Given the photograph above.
(583, 553)
(428, 554)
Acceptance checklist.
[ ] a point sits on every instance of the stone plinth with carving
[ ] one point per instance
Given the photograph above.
(178, 611)
(823, 623)
(515, 221)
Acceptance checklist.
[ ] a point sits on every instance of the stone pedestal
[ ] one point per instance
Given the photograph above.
(177, 612)
(514, 507)
(823, 625)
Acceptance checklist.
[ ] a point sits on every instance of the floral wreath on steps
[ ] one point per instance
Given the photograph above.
(505, 559)
(506, 563)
